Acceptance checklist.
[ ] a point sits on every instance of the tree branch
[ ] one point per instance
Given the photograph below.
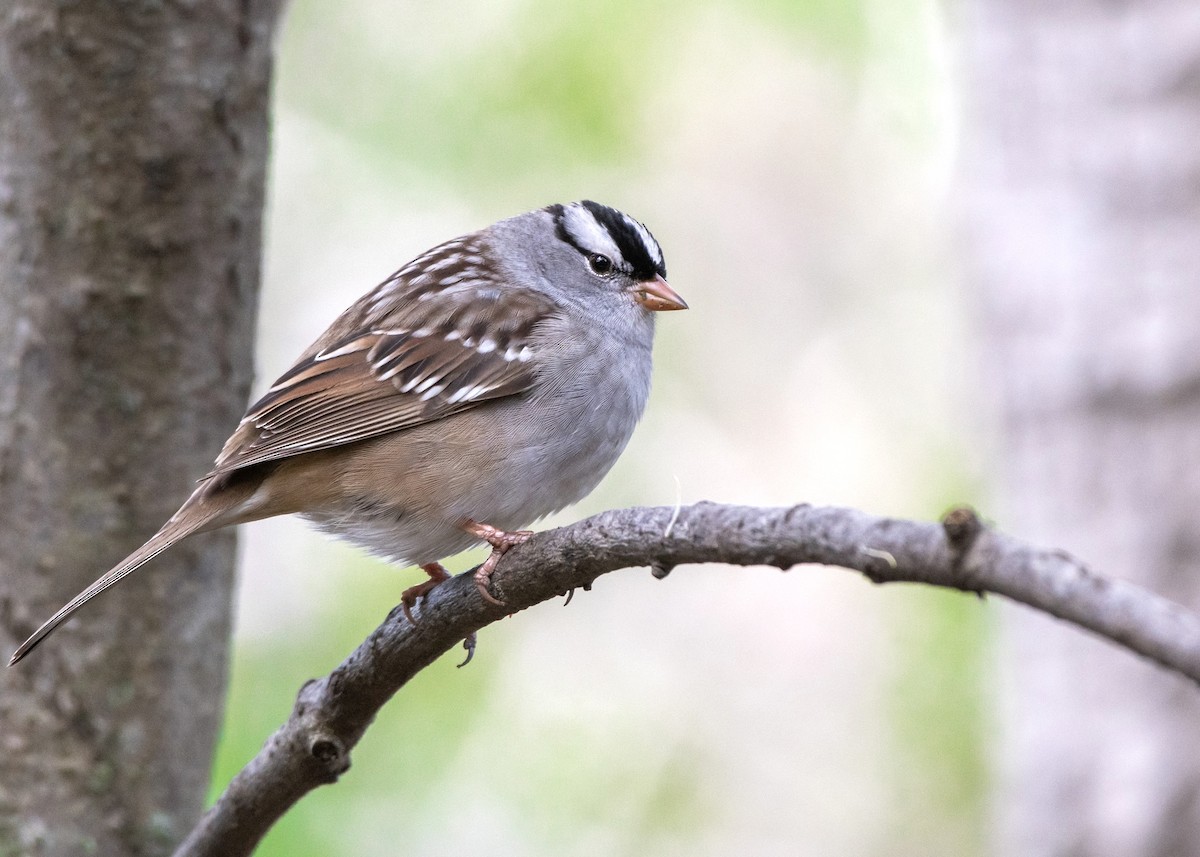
(331, 714)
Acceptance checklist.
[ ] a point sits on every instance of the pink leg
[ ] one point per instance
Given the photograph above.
(411, 596)
(501, 543)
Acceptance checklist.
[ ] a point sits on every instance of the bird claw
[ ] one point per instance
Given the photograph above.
(468, 644)
(412, 596)
(502, 542)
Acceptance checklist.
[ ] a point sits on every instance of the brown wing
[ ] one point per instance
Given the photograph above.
(438, 337)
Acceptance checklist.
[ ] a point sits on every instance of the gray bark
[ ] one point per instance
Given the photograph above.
(133, 142)
(1084, 174)
(331, 714)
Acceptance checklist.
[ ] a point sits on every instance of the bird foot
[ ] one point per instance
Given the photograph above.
(502, 542)
(414, 594)
(469, 644)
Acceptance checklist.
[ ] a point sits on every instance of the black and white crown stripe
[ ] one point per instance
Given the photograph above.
(594, 228)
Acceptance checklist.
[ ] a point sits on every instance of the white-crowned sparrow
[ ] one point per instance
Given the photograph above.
(487, 383)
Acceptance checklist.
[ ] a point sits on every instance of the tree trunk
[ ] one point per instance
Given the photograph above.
(133, 144)
(1083, 164)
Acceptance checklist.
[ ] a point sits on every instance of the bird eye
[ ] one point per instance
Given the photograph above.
(600, 264)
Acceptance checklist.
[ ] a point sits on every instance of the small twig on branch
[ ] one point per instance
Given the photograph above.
(331, 714)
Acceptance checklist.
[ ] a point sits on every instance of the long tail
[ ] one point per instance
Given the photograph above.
(179, 527)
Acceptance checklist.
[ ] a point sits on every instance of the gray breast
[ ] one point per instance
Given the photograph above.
(566, 436)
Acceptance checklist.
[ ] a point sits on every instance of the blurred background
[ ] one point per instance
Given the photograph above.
(800, 163)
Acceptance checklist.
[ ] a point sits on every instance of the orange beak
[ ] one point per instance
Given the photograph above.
(656, 296)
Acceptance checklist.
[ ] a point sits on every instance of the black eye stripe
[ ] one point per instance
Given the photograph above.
(628, 240)
(636, 258)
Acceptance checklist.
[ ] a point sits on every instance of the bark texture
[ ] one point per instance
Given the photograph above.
(1084, 172)
(331, 714)
(133, 144)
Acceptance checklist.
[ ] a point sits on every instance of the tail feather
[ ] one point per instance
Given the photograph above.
(179, 527)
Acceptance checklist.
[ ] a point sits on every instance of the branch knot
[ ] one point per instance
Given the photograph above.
(330, 753)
